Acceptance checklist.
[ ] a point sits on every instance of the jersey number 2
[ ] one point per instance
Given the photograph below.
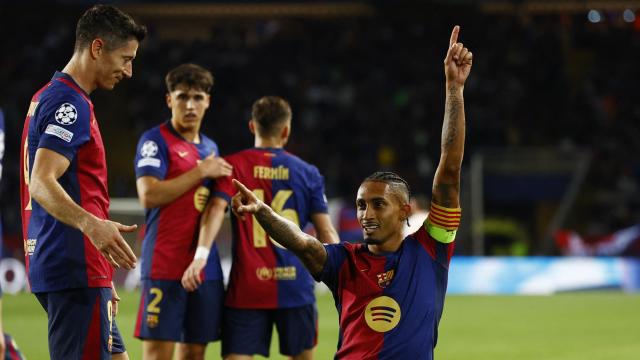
(277, 204)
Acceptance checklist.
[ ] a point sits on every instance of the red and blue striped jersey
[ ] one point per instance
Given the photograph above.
(61, 119)
(171, 235)
(389, 305)
(264, 275)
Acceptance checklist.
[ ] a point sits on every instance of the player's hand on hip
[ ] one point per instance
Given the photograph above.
(105, 236)
(191, 278)
(215, 167)
(457, 63)
(245, 201)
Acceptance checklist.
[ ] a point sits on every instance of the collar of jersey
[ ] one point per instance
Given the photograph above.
(60, 74)
(177, 134)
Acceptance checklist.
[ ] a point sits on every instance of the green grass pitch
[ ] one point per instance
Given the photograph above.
(574, 326)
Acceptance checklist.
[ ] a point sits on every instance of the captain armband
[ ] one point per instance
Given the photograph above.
(442, 223)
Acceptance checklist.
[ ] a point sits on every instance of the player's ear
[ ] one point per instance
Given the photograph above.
(405, 211)
(252, 126)
(168, 99)
(97, 47)
(286, 131)
(207, 101)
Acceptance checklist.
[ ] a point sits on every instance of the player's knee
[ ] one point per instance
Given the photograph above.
(305, 355)
(120, 356)
(191, 352)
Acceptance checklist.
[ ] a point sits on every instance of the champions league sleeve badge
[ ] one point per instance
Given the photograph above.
(66, 114)
(148, 150)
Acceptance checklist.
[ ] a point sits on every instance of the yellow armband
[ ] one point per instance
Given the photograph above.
(442, 223)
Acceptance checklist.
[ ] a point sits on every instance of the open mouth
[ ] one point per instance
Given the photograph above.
(369, 228)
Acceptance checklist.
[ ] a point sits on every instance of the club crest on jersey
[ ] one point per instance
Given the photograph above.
(200, 198)
(152, 320)
(382, 314)
(66, 114)
(385, 278)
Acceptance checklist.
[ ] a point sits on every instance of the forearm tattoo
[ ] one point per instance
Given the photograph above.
(288, 234)
(454, 108)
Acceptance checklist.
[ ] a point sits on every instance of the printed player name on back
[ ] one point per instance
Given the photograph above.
(271, 173)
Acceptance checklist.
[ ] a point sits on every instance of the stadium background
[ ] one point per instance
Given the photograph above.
(552, 139)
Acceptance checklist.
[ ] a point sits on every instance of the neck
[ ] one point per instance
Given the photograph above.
(189, 134)
(276, 143)
(80, 72)
(389, 246)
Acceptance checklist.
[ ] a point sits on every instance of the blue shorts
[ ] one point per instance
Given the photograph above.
(11, 351)
(81, 324)
(169, 312)
(248, 331)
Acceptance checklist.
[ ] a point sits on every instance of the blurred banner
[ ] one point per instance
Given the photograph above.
(541, 275)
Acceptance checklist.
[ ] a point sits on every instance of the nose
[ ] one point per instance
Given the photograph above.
(128, 70)
(190, 103)
(366, 213)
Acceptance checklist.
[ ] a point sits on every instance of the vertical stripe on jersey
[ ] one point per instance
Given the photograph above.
(165, 264)
(358, 286)
(92, 182)
(300, 289)
(261, 279)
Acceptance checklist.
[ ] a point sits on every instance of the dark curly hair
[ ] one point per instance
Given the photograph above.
(192, 75)
(108, 23)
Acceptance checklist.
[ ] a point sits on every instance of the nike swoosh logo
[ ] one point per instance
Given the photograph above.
(183, 153)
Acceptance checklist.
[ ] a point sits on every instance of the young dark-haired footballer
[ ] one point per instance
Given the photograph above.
(174, 164)
(71, 246)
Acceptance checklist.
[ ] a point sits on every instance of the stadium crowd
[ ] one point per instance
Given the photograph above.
(368, 89)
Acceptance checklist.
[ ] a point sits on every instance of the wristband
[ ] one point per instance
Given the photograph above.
(201, 253)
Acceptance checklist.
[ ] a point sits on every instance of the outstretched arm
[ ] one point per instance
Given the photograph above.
(446, 183)
(310, 251)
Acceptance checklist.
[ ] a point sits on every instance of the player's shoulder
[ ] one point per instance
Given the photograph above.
(61, 98)
(298, 162)
(153, 131)
(208, 142)
(346, 247)
(242, 155)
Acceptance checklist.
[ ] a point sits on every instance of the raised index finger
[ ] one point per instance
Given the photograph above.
(243, 189)
(454, 35)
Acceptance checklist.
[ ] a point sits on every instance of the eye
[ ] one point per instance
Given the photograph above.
(183, 97)
(378, 203)
(198, 98)
(361, 205)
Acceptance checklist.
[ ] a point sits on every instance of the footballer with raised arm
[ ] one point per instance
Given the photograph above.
(389, 290)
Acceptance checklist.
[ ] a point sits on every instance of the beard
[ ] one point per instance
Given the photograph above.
(372, 241)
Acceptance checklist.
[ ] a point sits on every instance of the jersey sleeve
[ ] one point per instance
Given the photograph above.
(223, 186)
(438, 233)
(65, 125)
(318, 198)
(336, 254)
(152, 157)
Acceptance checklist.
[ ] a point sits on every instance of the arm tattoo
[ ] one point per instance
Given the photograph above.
(443, 194)
(309, 249)
(453, 107)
